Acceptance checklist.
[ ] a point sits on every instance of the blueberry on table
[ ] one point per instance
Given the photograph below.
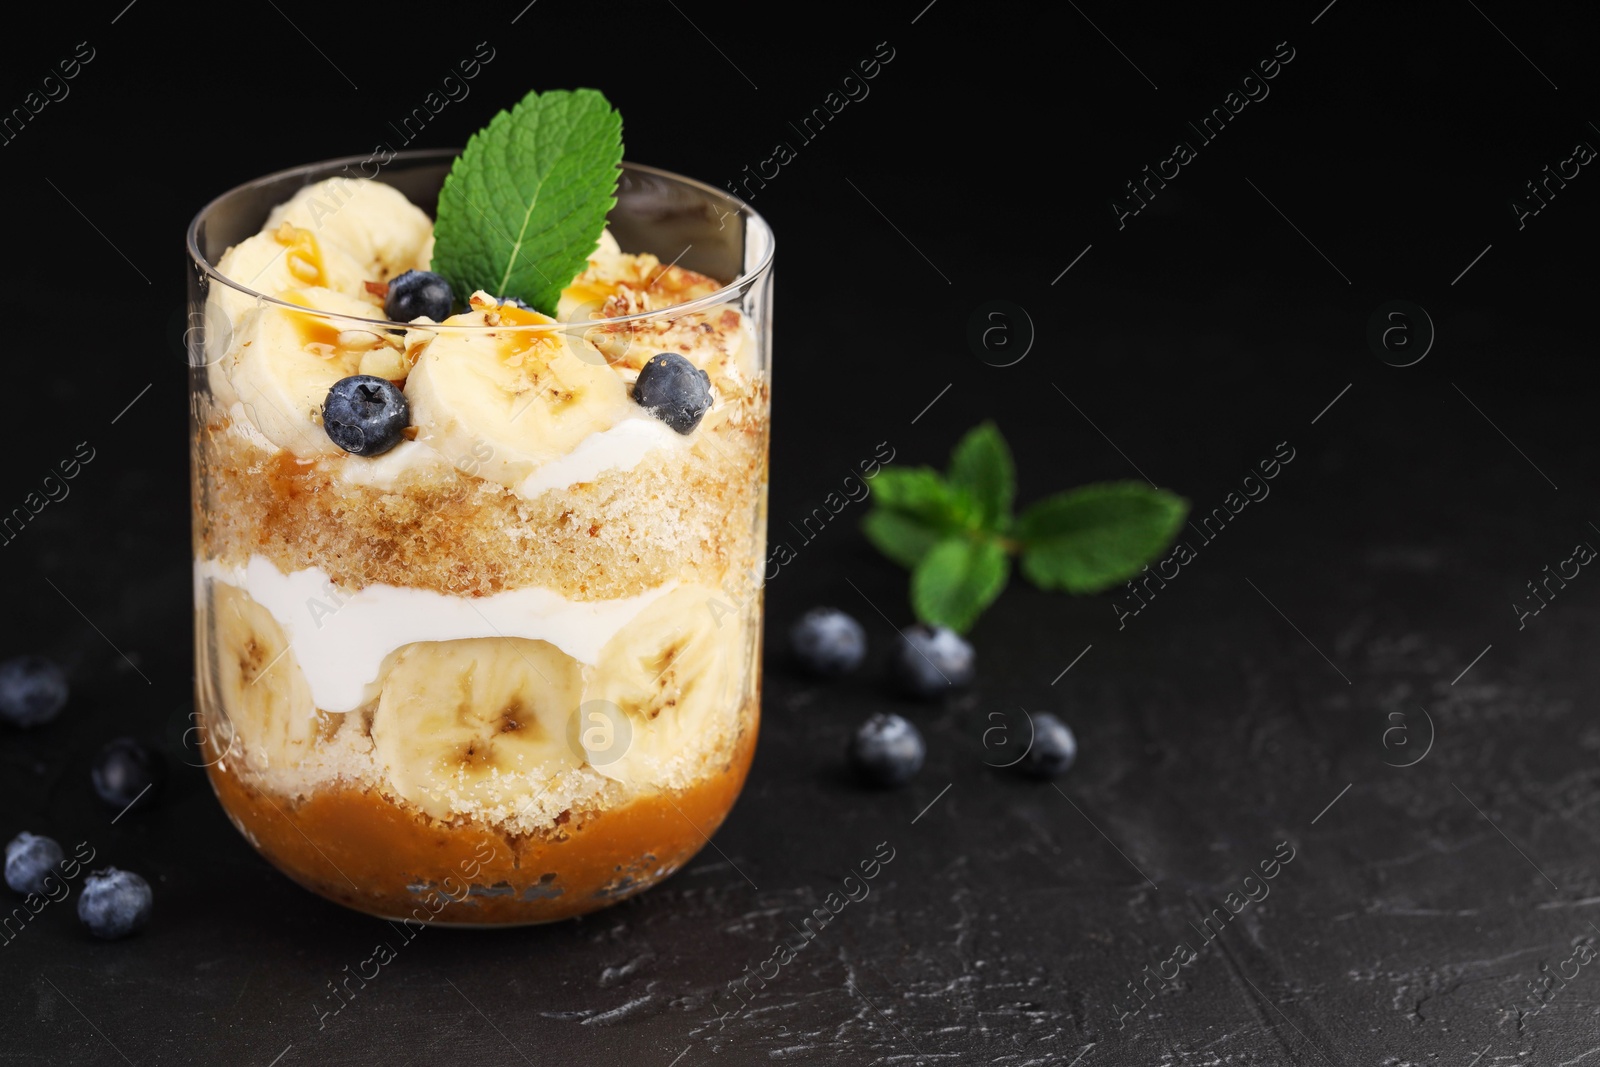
(33, 690)
(1053, 751)
(887, 750)
(932, 660)
(30, 860)
(115, 903)
(125, 771)
(416, 293)
(674, 391)
(828, 643)
(365, 415)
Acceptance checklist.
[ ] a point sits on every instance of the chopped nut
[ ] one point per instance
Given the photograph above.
(359, 340)
(378, 289)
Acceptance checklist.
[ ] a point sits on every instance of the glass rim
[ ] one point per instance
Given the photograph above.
(730, 292)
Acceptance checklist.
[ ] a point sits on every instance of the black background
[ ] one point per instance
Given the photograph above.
(1210, 328)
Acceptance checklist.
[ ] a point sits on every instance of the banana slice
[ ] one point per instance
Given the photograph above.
(283, 363)
(677, 672)
(266, 697)
(465, 725)
(503, 403)
(373, 223)
(286, 259)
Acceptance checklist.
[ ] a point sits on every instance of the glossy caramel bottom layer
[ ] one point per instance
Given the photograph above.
(361, 849)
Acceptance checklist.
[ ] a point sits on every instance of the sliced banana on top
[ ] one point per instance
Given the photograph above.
(372, 223)
(464, 725)
(283, 362)
(501, 403)
(677, 671)
(287, 259)
(265, 695)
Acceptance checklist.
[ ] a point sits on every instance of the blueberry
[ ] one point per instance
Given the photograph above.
(124, 770)
(827, 642)
(674, 391)
(114, 903)
(886, 750)
(418, 292)
(33, 690)
(365, 415)
(931, 661)
(515, 302)
(1053, 751)
(30, 860)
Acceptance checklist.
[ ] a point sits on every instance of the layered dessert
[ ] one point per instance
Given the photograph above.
(477, 588)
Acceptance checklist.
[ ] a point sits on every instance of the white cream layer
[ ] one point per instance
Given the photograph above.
(340, 638)
(619, 448)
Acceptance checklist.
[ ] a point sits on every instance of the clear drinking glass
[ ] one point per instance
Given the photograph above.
(509, 671)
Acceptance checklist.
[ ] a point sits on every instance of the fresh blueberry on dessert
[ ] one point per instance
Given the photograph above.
(674, 391)
(33, 690)
(1053, 751)
(828, 643)
(887, 750)
(932, 660)
(417, 293)
(30, 859)
(115, 903)
(125, 771)
(365, 415)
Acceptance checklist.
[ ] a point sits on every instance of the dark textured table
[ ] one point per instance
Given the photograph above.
(1345, 686)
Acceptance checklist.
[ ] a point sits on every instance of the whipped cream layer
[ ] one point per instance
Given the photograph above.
(341, 638)
(620, 448)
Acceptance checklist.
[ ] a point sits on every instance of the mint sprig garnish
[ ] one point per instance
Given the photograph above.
(956, 534)
(524, 204)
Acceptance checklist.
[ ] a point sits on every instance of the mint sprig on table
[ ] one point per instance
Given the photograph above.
(956, 534)
(524, 204)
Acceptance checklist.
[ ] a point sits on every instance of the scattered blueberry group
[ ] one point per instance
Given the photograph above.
(126, 772)
(416, 293)
(365, 415)
(115, 903)
(674, 391)
(828, 643)
(928, 662)
(30, 860)
(887, 750)
(33, 690)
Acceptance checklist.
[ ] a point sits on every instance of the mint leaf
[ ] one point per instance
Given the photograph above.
(981, 465)
(1091, 538)
(524, 204)
(923, 494)
(903, 538)
(957, 579)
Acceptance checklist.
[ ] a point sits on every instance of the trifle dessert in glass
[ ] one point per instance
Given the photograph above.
(477, 588)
